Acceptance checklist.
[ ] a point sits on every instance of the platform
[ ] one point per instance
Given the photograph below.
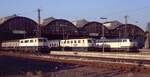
(137, 56)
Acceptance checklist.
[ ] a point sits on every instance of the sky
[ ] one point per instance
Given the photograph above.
(138, 11)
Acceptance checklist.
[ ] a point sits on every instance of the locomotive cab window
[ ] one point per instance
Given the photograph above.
(42, 40)
(130, 40)
(89, 41)
(64, 41)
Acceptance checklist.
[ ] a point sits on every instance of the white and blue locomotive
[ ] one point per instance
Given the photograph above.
(27, 45)
(116, 44)
(84, 44)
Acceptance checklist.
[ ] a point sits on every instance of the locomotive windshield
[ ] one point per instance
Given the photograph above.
(89, 41)
(42, 40)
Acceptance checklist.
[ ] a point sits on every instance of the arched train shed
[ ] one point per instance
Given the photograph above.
(59, 29)
(94, 29)
(15, 27)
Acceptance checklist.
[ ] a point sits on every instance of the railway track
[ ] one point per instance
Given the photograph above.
(101, 62)
(117, 60)
(110, 63)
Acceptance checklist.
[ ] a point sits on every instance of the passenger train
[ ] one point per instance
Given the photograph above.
(37, 45)
(42, 45)
(90, 44)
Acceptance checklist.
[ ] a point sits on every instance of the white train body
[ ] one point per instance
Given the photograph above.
(30, 44)
(72, 44)
(77, 43)
(8, 44)
(37, 42)
(116, 44)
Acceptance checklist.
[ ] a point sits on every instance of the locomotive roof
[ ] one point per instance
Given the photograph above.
(34, 38)
(77, 38)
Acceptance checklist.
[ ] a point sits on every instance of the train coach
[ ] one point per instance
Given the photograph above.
(37, 45)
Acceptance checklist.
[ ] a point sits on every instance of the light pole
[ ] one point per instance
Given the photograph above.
(118, 37)
(103, 34)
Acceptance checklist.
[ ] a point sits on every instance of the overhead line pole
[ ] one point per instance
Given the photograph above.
(39, 23)
(126, 22)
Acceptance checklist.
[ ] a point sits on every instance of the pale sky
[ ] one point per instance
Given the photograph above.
(137, 10)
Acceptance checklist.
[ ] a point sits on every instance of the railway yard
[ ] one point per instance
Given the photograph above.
(76, 64)
(58, 47)
(73, 57)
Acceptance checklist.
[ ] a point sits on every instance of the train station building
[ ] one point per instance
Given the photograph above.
(16, 27)
(58, 29)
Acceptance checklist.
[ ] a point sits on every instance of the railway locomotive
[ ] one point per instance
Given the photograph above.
(117, 44)
(85, 44)
(30, 45)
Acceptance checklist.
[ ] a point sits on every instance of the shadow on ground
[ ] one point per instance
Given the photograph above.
(18, 66)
